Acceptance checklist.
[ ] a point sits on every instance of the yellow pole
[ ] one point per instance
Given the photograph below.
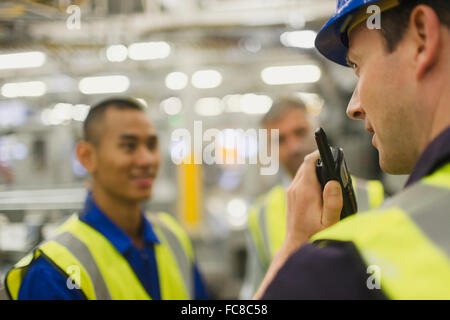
(190, 187)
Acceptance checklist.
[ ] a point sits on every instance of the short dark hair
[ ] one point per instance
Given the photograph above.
(281, 106)
(395, 21)
(97, 112)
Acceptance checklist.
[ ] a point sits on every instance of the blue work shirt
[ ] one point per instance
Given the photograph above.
(43, 281)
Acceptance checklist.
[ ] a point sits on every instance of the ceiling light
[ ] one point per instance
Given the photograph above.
(291, 74)
(237, 213)
(63, 111)
(22, 60)
(149, 50)
(209, 106)
(24, 89)
(206, 79)
(171, 106)
(232, 102)
(117, 53)
(255, 104)
(80, 112)
(176, 80)
(248, 103)
(299, 39)
(105, 84)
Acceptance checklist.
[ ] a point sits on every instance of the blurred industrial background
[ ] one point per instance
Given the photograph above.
(219, 61)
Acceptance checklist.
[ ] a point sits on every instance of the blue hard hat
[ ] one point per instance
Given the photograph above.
(331, 40)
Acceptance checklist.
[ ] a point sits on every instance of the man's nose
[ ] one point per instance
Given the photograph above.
(354, 109)
(147, 157)
(293, 144)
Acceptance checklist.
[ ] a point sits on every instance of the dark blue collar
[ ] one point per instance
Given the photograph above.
(93, 216)
(436, 154)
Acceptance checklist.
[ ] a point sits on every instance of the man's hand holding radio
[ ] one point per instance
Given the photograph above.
(308, 209)
(308, 212)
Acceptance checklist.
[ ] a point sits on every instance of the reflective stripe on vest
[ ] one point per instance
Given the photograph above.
(407, 238)
(90, 261)
(267, 219)
(267, 225)
(84, 256)
(369, 193)
(262, 219)
(255, 225)
(181, 248)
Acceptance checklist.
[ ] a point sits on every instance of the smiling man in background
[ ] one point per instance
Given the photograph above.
(112, 249)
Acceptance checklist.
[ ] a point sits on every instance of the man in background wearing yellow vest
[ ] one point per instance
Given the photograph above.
(267, 218)
(401, 250)
(111, 250)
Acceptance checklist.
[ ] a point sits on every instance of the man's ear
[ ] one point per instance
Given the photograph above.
(425, 29)
(86, 155)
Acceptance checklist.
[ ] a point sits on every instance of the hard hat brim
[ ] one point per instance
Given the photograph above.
(332, 41)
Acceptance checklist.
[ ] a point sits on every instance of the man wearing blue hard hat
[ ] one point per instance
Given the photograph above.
(401, 250)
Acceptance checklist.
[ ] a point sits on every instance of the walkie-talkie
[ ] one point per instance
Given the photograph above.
(332, 166)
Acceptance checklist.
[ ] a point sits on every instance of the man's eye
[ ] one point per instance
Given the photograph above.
(300, 132)
(129, 146)
(152, 144)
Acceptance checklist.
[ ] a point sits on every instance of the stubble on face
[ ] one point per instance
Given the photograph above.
(387, 99)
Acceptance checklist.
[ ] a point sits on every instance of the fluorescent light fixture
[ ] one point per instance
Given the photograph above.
(232, 102)
(50, 117)
(80, 112)
(46, 116)
(291, 74)
(176, 80)
(57, 115)
(149, 50)
(22, 60)
(299, 39)
(171, 106)
(248, 103)
(63, 111)
(105, 84)
(237, 213)
(255, 104)
(24, 89)
(117, 53)
(209, 106)
(206, 79)
(237, 208)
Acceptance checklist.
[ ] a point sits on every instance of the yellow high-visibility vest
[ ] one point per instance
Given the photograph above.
(267, 218)
(407, 239)
(101, 272)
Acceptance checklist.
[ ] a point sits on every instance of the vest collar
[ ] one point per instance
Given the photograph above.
(93, 216)
(436, 154)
